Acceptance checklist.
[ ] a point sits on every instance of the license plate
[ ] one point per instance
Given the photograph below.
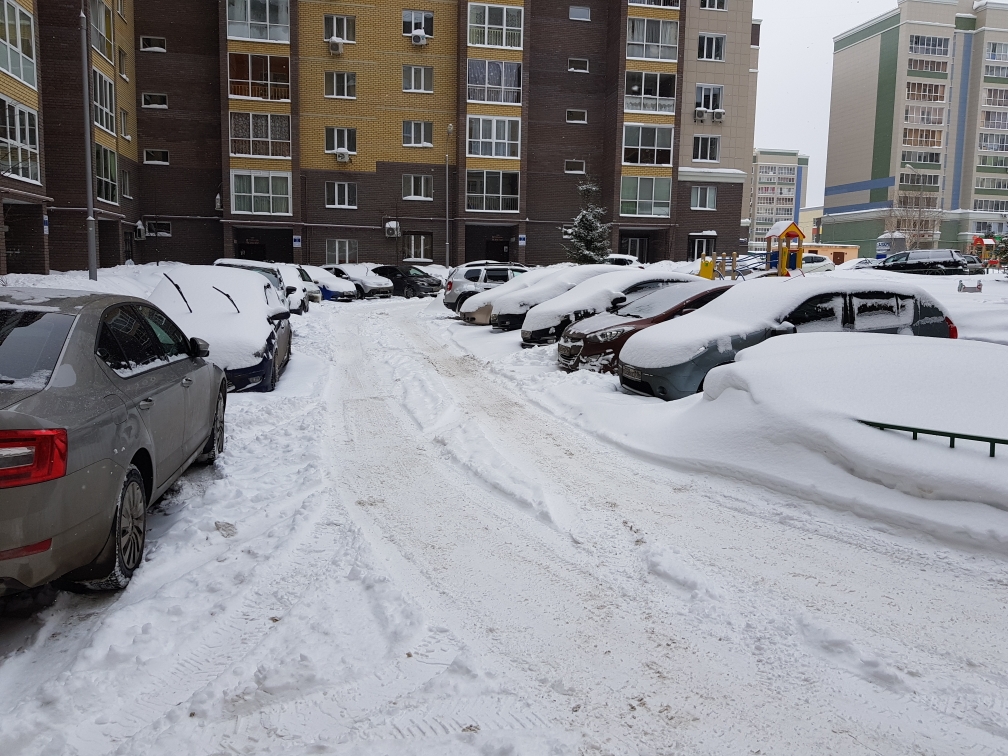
(632, 373)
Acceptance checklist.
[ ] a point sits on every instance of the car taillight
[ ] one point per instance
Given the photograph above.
(32, 456)
(448, 286)
(953, 331)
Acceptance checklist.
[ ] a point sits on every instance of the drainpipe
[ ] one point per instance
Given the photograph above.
(88, 169)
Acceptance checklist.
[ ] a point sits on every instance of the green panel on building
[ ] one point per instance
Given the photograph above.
(885, 107)
(863, 233)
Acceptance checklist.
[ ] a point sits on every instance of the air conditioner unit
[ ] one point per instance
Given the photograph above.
(700, 115)
(335, 46)
(342, 155)
(392, 230)
(718, 116)
(419, 38)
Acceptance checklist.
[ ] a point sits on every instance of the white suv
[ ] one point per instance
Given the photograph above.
(474, 277)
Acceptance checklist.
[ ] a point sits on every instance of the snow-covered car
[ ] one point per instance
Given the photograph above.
(509, 311)
(238, 313)
(365, 282)
(332, 287)
(272, 273)
(858, 263)
(545, 322)
(617, 259)
(671, 360)
(813, 263)
(312, 289)
(470, 279)
(477, 308)
(409, 280)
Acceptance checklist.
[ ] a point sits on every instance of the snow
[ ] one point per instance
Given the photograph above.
(324, 278)
(362, 272)
(519, 302)
(522, 281)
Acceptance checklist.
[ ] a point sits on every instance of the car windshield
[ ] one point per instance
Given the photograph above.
(417, 272)
(30, 344)
(304, 275)
(269, 274)
(660, 301)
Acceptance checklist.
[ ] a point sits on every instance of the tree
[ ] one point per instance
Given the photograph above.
(589, 237)
(1001, 250)
(915, 214)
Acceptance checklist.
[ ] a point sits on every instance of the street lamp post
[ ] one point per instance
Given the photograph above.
(88, 168)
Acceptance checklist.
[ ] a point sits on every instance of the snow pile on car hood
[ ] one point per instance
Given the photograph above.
(323, 277)
(596, 294)
(518, 302)
(522, 281)
(361, 272)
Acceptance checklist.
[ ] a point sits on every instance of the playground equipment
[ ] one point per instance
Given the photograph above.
(780, 237)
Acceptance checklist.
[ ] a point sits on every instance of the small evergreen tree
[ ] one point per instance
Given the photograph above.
(1001, 250)
(589, 236)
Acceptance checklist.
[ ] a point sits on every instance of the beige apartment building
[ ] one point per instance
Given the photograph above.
(778, 188)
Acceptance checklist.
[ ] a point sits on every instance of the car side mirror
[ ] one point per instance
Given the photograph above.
(783, 329)
(198, 348)
(290, 290)
(285, 315)
(616, 302)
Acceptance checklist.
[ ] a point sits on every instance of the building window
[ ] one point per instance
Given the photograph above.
(261, 77)
(259, 19)
(101, 29)
(153, 44)
(577, 65)
(659, 3)
(574, 166)
(921, 157)
(414, 20)
(122, 64)
(920, 179)
(997, 98)
(418, 133)
(261, 193)
(997, 51)
(340, 139)
(577, 116)
(103, 94)
(494, 137)
(19, 146)
(647, 145)
(17, 45)
(919, 92)
(124, 126)
(922, 138)
(643, 195)
(1000, 184)
(711, 47)
(714, 4)
(706, 148)
(339, 251)
(156, 157)
(494, 81)
(106, 172)
(418, 78)
(341, 194)
(710, 96)
(921, 45)
(418, 246)
(994, 142)
(154, 100)
(651, 38)
(492, 191)
(924, 114)
(990, 206)
(343, 28)
(124, 184)
(260, 135)
(934, 66)
(703, 198)
(158, 228)
(994, 119)
(495, 25)
(417, 186)
(341, 84)
(579, 13)
(649, 92)
(701, 246)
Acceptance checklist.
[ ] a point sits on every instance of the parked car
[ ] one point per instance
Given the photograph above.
(365, 282)
(926, 261)
(472, 278)
(312, 289)
(616, 259)
(272, 273)
(813, 263)
(858, 263)
(545, 322)
(303, 291)
(332, 287)
(104, 403)
(974, 265)
(478, 308)
(409, 281)
(671, 360)
(237, 312)
(509, 311)
(595, 343)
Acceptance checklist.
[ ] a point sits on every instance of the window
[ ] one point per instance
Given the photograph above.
(154, 100)
(997, 98)
(418, 78)
(491, 191)
(574, 166)
(649, 92)
(701, 246)
(17, 42)
(340, 139)
(993, 161)
(994, 142)
(714, 4)
(643, 195)
(711, 47)
(106, 172)
(259, 19)
(709, 96)
(124, 184)
(910, 156)
(261, 193)
(19, 145)
(924, 114)
(577, 116)
(994, 119)
(103, 94)
(1001, 184)
(920, 179)
(418, 246)
(156, 157)
(262, 77)
(922, 138)
(647, 145)
(703, 198)
(495, 25)
(997, 72)
(919, 92)
(341, 27)
(158, 228)
(341, 84)
(340, 251)
(921, 45)
(494, 81)
(101, 29)
(417, 186)
(577, 65)
(260, 135)
(418, 133)
(153, 44)
(341, 194)
(923, 64)
(126, 344)
(997, 51)
(990, 206)
(706, 148)
(650, 38)
(121, 7)
(124, 125)
(494, 137)
(660, 3)
(122, 64)
(579, 13)
(413, 20)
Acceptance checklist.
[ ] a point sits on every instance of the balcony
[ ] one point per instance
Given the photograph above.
(649, 104)
(503, 95)
(259, 90)
(491, 203)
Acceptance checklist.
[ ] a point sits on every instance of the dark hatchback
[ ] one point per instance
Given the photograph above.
(409, 281)
(929, 262)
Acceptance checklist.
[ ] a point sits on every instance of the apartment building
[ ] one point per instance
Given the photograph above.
(778, 189)
(919, 125)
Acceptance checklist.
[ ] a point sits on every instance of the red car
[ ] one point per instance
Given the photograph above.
(595, 343)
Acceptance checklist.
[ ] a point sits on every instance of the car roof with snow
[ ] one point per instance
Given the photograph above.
(551, 286)
(361, 271)
(67, 301)
(327, 279)
(650, 305)
(522, 281)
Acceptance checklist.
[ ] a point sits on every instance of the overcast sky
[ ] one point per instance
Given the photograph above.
(796, 65)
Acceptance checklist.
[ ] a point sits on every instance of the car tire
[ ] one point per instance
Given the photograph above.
(461, 300)
(274, 374)
(408, 292)
(360, 292)
(129, 534)
(215, 444)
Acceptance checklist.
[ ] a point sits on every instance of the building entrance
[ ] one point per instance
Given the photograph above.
(264, 244)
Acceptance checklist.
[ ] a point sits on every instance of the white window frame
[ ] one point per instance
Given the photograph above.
(124, 125)
(422, 251)
(484, 197)
(241, 28)
(480, 33)
(721, 5)
(17, 58)
(634, 45)
(340, 247)
(124, 184)
(572, 69)
(426, 74)
(148, 156)
(504, 95)
(651, 182)
(106, 162)
(257, 193)
(149, 104)
(103, 104)
(102, 37)
(414, 16)
(703, 198)
(348, 190)
(349, 24)
(332, 77)
(337, 130)
(579, 13)
(572, 116)
(422, 181)
(710, 41)
(575, 166)
(712, 139)
(642, 103)
(921, 44)
(122, 63)
(425, 129)
(656, 3)
(641, 128)
(275, 146)
(150, 44)
(19, 142)
(706, 94)
(499, 145)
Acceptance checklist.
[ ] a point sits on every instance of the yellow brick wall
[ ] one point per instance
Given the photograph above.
(19, 91)
(126, 94)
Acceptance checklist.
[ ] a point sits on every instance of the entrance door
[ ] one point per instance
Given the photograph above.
(497, 249)
(264, 244)
(637, 246)
(701, 246)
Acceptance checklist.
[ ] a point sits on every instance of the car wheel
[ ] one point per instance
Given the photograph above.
(273, 375)
(360, 292)
(461, 301)
(129, 531)
(408, 292)
(304, 306)
(215, 444)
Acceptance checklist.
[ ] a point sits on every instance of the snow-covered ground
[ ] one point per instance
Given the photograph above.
(429, 541)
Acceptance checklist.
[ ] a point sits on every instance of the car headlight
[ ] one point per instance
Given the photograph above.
(603, 336)
(526, 335)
